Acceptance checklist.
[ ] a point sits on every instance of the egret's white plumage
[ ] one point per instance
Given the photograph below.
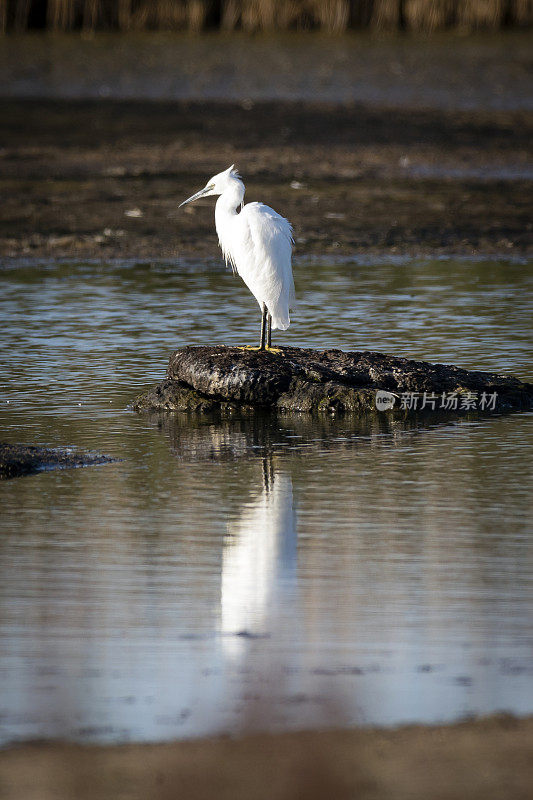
(257, 242)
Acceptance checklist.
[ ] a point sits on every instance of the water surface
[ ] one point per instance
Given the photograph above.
(443, 71)
(261, 571)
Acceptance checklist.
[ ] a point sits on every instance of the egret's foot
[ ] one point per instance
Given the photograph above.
(256, 347)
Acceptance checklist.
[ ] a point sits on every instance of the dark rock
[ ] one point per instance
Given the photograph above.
(297, 379)
(20, 459)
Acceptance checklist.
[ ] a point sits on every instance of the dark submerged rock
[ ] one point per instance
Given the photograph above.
(20, 459)
(297, 379)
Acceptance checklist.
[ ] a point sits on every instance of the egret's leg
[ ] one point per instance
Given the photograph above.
(266, 334)
(263, 328)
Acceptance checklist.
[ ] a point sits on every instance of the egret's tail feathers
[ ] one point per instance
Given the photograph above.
(280, 323)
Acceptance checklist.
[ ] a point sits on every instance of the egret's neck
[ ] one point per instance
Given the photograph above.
(230, 199)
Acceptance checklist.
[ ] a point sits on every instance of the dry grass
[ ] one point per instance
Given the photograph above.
(333, 16)
(3, 16)
(428, 15)
(386, 15)
(473, 14)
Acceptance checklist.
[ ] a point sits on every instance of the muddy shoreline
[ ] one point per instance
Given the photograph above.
(103, 179)
(485, 759)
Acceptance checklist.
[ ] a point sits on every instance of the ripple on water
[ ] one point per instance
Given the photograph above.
(378, 567)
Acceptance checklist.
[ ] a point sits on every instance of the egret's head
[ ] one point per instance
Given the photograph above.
(215, 185)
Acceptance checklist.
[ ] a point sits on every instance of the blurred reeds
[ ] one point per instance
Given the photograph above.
(334, 16)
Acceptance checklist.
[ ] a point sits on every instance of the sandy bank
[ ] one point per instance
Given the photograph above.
(489, 759)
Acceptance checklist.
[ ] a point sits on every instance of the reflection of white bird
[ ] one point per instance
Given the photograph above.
(257, 242)
(259, 560)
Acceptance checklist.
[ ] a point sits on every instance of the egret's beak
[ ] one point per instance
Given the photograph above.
(201, 193)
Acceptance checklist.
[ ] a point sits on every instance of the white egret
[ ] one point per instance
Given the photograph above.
(257, 242)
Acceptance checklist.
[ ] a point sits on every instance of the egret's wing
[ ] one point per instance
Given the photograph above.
(264, 260)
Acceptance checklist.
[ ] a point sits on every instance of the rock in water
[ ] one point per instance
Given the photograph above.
(22, 459)
(297, 379)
